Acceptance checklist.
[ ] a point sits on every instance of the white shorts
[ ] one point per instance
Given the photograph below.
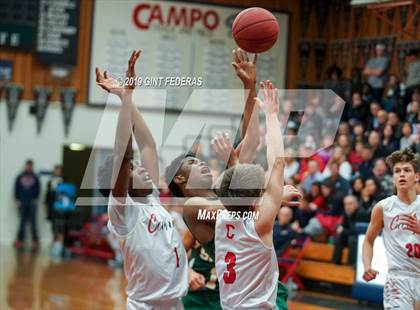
(174, 304)
(401, 292)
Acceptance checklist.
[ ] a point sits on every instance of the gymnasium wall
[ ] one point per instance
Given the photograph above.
(46, 148)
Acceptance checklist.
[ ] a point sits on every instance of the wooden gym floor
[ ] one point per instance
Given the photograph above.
(35, 281)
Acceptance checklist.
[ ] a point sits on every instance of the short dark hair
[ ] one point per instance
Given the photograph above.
(406, 156)
(172, 170)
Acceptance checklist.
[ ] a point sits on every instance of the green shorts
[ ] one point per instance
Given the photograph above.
(201, 301)
(281, 300)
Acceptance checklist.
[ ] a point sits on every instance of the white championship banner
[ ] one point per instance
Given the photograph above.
(185, 47)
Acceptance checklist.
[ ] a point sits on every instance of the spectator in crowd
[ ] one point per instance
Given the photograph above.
(335, 176)
(394, 121)
(355, 157)
(374, 108)
(376, 71)
(312, 203)
(382, 175)
(307, 153)
(382, 120)
(291, 167)
(327, 149)
(344, 129)
(374, 141)
(311, 175)
(334, 81)
(326, 221)
(344, 142)
(283, 233)
(346, 232)
(357, 187)
(53, 216)
(366, 166)
(27, 188)
(357, 111)
(389, 141)
(291, 140)
(416, 146)
(371, 194)
(345, 169)
(394, 94)
(313, 122)
(413, 109)
(367, 95)
(358, 133)
(407, 139)
(413, 72)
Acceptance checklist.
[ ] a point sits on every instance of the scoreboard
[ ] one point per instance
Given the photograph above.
(18, 24)
(47, 27)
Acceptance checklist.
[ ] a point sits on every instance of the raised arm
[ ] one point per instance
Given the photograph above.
(246, 70)
(272, 198)
(375, 226)
(143, 136)
(123, 152)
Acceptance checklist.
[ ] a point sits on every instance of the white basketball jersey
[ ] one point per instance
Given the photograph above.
(247, 269)
(402, 246)
(155, 262)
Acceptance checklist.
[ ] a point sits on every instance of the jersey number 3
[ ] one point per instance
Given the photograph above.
(413, 250)
(229, 276)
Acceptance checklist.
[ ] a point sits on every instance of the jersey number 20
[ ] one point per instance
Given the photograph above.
(413, 250)
(229, 276)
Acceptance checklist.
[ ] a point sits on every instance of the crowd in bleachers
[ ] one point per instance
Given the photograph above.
(344, 181)
(343, 177)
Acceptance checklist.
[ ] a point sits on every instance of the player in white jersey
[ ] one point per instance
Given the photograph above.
(155, 261)
(398, 218)
(246, 262)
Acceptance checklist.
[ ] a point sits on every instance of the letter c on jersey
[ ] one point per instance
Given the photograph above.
(228, 228)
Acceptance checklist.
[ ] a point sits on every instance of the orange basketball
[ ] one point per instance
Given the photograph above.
(255, 30)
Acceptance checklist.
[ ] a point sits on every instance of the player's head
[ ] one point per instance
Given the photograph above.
(187, 172)
(241, 186)
(140, 184)
(405, 166)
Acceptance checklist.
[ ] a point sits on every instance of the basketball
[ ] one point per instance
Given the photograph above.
(255, 30)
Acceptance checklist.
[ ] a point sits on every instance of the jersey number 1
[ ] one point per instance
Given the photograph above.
(229, 276)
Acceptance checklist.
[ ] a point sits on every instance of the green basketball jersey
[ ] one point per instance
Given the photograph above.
(202, 261)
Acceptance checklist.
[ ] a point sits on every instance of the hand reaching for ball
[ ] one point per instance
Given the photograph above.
(245, 69)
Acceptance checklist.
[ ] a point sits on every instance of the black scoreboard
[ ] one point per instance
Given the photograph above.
(18, 24)
(47, 27)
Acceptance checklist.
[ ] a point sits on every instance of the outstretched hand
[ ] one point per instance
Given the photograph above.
(113, 86)
(269, 104)
(245, 69)
(222, 148)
